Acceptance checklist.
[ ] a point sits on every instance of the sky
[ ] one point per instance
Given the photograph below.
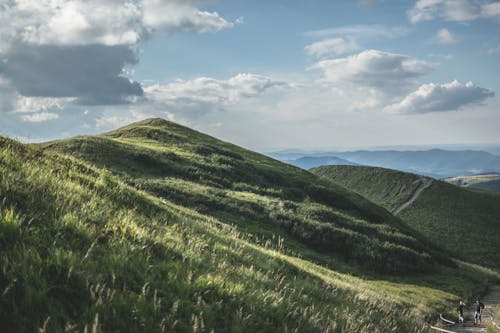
(263, 74)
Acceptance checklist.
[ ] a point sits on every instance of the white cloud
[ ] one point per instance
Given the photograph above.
(106, 22)
(39, 117)
(360, 31)
(331, 46)
(444, 36)
(80, 48)
(454, 10)
(182, 16)
(441, 97)
(373, 69)
(212, 91)
(36, 104)
(77, 22)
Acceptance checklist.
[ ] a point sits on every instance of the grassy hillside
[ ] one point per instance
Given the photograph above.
(468, 218)
(258, 194)
(174, 234)
(489, 182)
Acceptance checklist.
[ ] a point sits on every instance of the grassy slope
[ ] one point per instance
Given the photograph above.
(84, 247)
(468, 217)
(260, 195)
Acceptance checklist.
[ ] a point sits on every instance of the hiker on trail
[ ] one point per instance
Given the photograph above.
(479, 312)
(460, 311)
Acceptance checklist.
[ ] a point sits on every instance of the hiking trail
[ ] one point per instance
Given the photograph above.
(490, 301)
(426, 182)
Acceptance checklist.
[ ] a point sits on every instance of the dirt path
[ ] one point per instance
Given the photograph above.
(491, 300)
(426, 182)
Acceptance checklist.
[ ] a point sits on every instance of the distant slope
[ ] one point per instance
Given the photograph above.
(489, 182)
(435, 163)
(465, 221)
(310, 162)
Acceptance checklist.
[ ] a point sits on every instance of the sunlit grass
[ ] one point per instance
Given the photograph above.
(85, 246)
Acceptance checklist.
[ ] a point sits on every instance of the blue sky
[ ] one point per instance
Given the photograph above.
(262, 74)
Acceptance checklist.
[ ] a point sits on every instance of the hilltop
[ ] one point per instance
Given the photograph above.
(465, 221)
(156, 227)
(308, 162)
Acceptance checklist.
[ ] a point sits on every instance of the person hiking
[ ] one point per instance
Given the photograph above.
(460, 312)
(479, 312)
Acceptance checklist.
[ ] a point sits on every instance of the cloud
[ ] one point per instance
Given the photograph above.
(377, 70)
(349, 38)
(205, 94)
(331, 46)
(360, 31)
(77, 22)
(440, 97)
(105, 22)
(444, 36)
(92, 73)
(39, 117)
(182, 16)
(454, 10)
(80, 48)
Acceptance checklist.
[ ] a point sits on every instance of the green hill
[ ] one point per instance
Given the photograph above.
(465, 221)
(489, 182)
(155, 227)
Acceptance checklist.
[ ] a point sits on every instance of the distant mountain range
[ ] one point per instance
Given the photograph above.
(308, 162)
(437, 163)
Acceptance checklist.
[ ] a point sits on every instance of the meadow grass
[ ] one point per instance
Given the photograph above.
(464, 220)
(90, 242)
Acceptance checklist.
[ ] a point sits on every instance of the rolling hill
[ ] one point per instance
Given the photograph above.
(308, 162)
(463, 220)
(155, 227)
(489, 182)
(436, 163)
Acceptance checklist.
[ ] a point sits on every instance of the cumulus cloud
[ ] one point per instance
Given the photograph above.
(181, 16)
(373, 69)
(80, 48)
(454, 10)
(39, 117)
(208, 91)
(77, 22)
(92, 73)
(444, 36)
(106, 22)
(440, 97)
(331, 46)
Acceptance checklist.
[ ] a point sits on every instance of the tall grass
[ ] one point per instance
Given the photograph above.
(90, 248)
